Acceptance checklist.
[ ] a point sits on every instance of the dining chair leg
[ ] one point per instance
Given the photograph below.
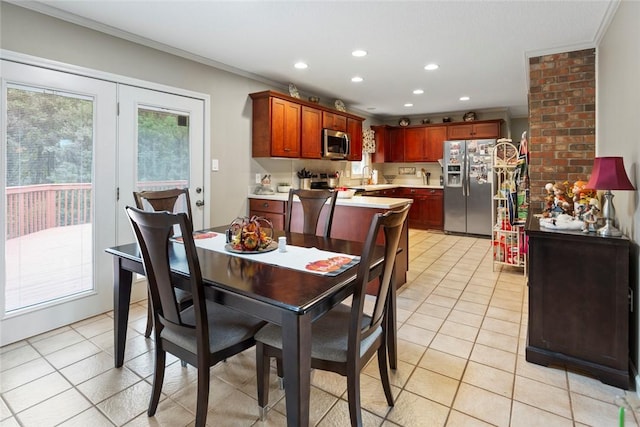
(202, 398)
(158, 378)
(262, 372)
(384, 374)
(280, 371)
(353, 396)
(392, 336)
(147, 331)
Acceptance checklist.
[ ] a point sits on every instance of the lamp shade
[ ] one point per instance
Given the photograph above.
(608, 174)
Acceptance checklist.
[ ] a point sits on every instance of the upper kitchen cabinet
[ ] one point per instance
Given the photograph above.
(424, 143)
(275, 127)
(487, 129)
(354, 130)
(310, 145)
(334, 121)
(396, 145)
(284, 126)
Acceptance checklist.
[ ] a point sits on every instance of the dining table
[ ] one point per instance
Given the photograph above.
(288, 297)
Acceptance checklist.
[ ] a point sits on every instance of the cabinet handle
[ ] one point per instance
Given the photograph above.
(265, 205)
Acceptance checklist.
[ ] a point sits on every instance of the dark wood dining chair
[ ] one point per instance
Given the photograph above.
(346, 338)
(312, 202)
(201, 335)
(172, 200)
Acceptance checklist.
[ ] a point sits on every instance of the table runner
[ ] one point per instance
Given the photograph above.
(310, 260)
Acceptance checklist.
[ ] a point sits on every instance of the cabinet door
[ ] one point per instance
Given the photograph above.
(396, 145)
(382, 144)
(311, 134)
(414, 141)
(334, 121)
(434, 141)
(486, 130)
(354, 129)
(433, 210)
(460, 131)
(285, 128)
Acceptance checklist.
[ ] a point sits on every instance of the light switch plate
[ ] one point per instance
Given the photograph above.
(215, 166)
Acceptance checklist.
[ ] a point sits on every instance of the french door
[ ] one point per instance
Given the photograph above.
(69, 165)
(58, 175)
(161, 145)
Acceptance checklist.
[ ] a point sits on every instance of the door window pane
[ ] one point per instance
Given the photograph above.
(163, 150)
(49, 183)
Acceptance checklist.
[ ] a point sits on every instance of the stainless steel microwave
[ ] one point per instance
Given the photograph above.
(335, 144)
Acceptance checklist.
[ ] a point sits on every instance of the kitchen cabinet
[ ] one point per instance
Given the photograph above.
(311, 133)
(579, 302)
(487, 129)
(354, 130)
(381, 136)
(424, 143)
(396, 145)
(273, 210)
(283, 126)
(334, 121)
(275, 128)
(427, 209)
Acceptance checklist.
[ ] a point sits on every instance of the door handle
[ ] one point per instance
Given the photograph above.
(199, 203)
(198, 190)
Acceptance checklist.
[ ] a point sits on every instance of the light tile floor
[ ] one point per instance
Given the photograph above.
(462, 332)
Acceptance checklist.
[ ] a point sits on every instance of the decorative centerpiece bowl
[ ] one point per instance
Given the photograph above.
(252, 234)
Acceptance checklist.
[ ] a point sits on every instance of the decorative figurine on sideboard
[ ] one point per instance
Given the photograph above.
(590, 216)
(570, 207)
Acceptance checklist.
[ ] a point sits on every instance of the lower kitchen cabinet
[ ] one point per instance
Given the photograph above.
(427, 209)
(579, 302)
(273, 210)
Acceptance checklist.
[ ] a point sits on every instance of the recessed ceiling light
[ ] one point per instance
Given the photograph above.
(300, 65)
(356, 79)
(464, 98)
(408, 104)
(359, 53)
(431, 67)
(418, 92)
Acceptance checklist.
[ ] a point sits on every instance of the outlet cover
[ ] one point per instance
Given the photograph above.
(258, 178)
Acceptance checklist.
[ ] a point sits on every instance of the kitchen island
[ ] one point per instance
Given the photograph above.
(351, 220)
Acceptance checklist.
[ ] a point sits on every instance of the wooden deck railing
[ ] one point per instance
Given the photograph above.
(33, 208)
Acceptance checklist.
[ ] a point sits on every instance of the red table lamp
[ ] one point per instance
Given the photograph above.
(608, 174)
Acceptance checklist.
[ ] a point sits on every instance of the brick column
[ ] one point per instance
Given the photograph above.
(562, 120)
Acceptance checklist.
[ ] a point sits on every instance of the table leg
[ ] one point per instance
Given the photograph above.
(296, 354)
(122, 280)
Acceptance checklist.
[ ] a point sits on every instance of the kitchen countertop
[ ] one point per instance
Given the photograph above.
(374, 187)
(356, 201)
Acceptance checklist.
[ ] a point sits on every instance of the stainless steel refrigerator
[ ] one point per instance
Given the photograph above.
(467, 186)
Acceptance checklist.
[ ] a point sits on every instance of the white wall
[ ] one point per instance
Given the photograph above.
(618, 120)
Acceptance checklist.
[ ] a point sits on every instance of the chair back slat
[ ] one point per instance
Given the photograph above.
(312, 202)
(392, 223)
(153, 231)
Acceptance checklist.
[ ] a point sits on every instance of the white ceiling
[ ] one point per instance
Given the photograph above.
(482, 47)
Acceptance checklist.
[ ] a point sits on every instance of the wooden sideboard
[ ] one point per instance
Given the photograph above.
(579, 302)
